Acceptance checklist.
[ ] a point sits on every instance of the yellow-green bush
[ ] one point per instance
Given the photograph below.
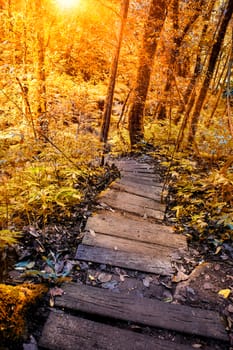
(15, 301)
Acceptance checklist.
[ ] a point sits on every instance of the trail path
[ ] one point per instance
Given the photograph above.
(127, 232)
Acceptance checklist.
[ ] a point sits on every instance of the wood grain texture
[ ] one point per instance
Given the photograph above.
(146, 191)
(66, 332)
(127, 245)
(143, 180)
(116, 224)
(129, 260)
(133, 204)
(145, 311)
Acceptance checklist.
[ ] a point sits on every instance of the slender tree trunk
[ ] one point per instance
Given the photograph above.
(161, 110)
(198, 66)
(42, 120)
(210, 70)
(112, 81)
(175, 59)
(153, 26)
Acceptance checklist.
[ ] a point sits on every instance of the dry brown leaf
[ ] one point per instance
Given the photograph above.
(181, 276)
(104, 277)
(92, 233)
(146, 281)
(54, 292)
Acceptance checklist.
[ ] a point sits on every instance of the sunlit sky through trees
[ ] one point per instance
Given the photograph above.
(68, 4)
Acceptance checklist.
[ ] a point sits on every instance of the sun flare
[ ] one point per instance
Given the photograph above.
(68, 4)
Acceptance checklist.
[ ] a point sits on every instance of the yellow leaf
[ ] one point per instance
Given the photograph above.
(224, 293)
(91, 278)
(219, 248)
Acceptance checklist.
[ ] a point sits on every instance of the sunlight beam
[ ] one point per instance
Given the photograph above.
(67, 4)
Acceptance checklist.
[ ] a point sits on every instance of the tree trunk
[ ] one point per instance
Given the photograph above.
(109, 98)
(42, 120)
(176, 62)
(210, 70)
(110, 93)
(153, 26)
(198, 66)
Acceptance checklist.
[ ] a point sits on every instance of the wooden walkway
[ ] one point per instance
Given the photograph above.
(127, 231)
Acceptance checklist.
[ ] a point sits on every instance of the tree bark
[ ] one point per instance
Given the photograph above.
(112, 81)
(188, 100)
(152, 29)
(210, 70)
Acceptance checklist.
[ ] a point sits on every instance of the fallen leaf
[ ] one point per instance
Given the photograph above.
(104, 277)
(122, 278)
(91, 278)
(56, 291)
(218, 250)
(92, 233)
(146, 281)
(51, 301)
(224, 293)
(168, 300)
(22, 265)
(180, 277)
(109, 285)
(31, 265)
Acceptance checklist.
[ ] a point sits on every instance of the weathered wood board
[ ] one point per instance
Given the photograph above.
(138, 171)
(133, 204)
(145, 311)
(66, 332)
(127, 245)
(127, 163)
(133, 261)
(146, 192)
(143, 180)
(116, 224)
(154, 187)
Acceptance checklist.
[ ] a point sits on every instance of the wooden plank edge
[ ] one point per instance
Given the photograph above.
(68, 332)
(122, 259)
(127, 245)
(150, 312)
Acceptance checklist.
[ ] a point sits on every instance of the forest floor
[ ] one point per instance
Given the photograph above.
(49, 252)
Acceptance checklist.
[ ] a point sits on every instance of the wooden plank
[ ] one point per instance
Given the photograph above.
(120, 225)
(127, 245)
(144, 180)
(146, 192)
(122, 164)
(142, 171)
(155, 187)
(145, 311)
(133, 261)
(133, 204)
(67, 332)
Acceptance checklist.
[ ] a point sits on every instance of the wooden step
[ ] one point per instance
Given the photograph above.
(66, 332)
(145, 311)
(127, 245)
(133, 204)
(124, 259)
(136, 229)
(129, 164)
(143, 180)
(151, 192)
